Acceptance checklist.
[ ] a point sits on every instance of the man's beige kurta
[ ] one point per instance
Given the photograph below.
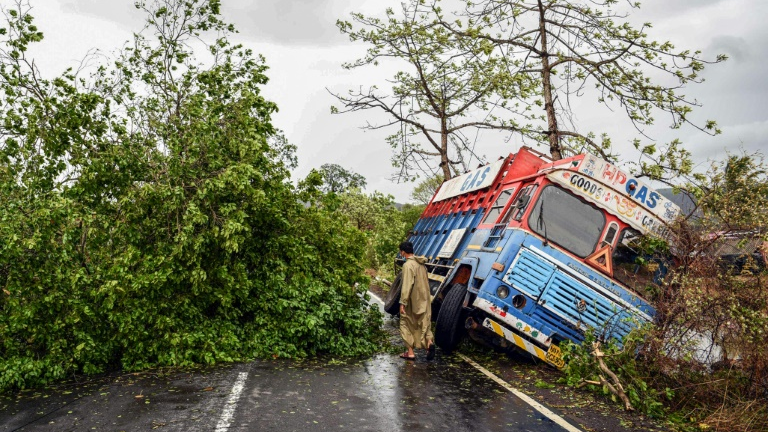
(416, 324)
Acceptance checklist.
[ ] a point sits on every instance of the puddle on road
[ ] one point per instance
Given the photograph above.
(384, 393)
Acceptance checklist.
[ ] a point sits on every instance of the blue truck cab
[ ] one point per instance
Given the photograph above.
(528, 252)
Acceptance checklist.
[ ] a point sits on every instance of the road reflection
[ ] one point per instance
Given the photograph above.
(445, 394)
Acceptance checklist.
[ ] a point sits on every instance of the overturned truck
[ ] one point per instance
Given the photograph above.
(527, 252)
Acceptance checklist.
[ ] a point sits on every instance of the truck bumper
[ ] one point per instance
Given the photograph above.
(519, 333)
(552, 356)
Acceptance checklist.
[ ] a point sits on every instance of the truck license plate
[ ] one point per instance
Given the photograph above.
(555, 356)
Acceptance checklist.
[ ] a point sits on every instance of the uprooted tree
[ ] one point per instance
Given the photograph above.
(148, 218)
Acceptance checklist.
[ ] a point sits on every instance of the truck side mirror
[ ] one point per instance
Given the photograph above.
(522, 201)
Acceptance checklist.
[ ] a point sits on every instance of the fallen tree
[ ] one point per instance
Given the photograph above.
(148, 217)
(614, 385)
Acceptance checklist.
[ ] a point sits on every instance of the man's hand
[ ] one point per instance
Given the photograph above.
(402, 309)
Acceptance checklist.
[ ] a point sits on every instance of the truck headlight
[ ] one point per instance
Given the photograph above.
(518, 301)
(502, 292)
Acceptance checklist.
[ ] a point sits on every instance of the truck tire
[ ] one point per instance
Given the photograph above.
(392, 302)
(449, 328)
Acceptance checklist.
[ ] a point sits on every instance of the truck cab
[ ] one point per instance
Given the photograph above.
(530, 252)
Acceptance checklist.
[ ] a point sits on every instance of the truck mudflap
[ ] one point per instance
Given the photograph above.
(552, 356)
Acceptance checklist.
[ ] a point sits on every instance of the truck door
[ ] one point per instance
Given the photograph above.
(497, 232)
(513, 212)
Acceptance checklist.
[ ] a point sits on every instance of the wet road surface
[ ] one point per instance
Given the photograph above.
(384, 393)
(147, 401)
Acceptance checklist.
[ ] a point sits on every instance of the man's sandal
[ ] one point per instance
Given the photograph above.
(407, 357)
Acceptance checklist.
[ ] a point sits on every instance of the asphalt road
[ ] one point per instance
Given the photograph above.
(383, 393)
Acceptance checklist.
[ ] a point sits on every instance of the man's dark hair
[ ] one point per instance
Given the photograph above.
(406, 247)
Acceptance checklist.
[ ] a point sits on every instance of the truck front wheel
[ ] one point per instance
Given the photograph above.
(449, 328)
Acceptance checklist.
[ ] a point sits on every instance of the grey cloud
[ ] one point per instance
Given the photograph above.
(122, 12)
(294, 22)
(284, 22)
(736, 48)
(735, 91)
(667, 8)
(747, 138)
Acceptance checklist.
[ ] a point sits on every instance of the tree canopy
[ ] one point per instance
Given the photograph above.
(148, 218)
(575, 48)
(425, 189)
(448, 88)
(517, 66)
(337, 179)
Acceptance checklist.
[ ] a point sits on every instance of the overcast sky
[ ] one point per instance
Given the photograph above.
(304, 51)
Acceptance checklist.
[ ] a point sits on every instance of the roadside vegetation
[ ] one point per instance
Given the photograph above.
(147, 213)
(703, 365)
(382, 222)
(514, 66)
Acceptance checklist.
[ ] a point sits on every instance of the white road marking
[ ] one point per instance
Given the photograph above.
(231, 405)
(376, 298)
(527, 399)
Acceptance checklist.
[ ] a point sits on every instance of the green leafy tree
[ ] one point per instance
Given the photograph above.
(382, 223)
(148, 218)
(411, 214)
(735, 195)
(337, 179)
(569, 46)
(364, 210)
(451, 86)
(425, 189)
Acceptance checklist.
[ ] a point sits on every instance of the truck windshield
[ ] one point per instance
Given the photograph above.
(566, 220)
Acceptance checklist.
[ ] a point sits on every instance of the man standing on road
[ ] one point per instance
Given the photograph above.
(415, 305)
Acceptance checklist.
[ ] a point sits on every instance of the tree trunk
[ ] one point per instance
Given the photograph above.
(444, 161)
(546, 75)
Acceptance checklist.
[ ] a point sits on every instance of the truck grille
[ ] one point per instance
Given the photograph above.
(530, 273)
(565, 303)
